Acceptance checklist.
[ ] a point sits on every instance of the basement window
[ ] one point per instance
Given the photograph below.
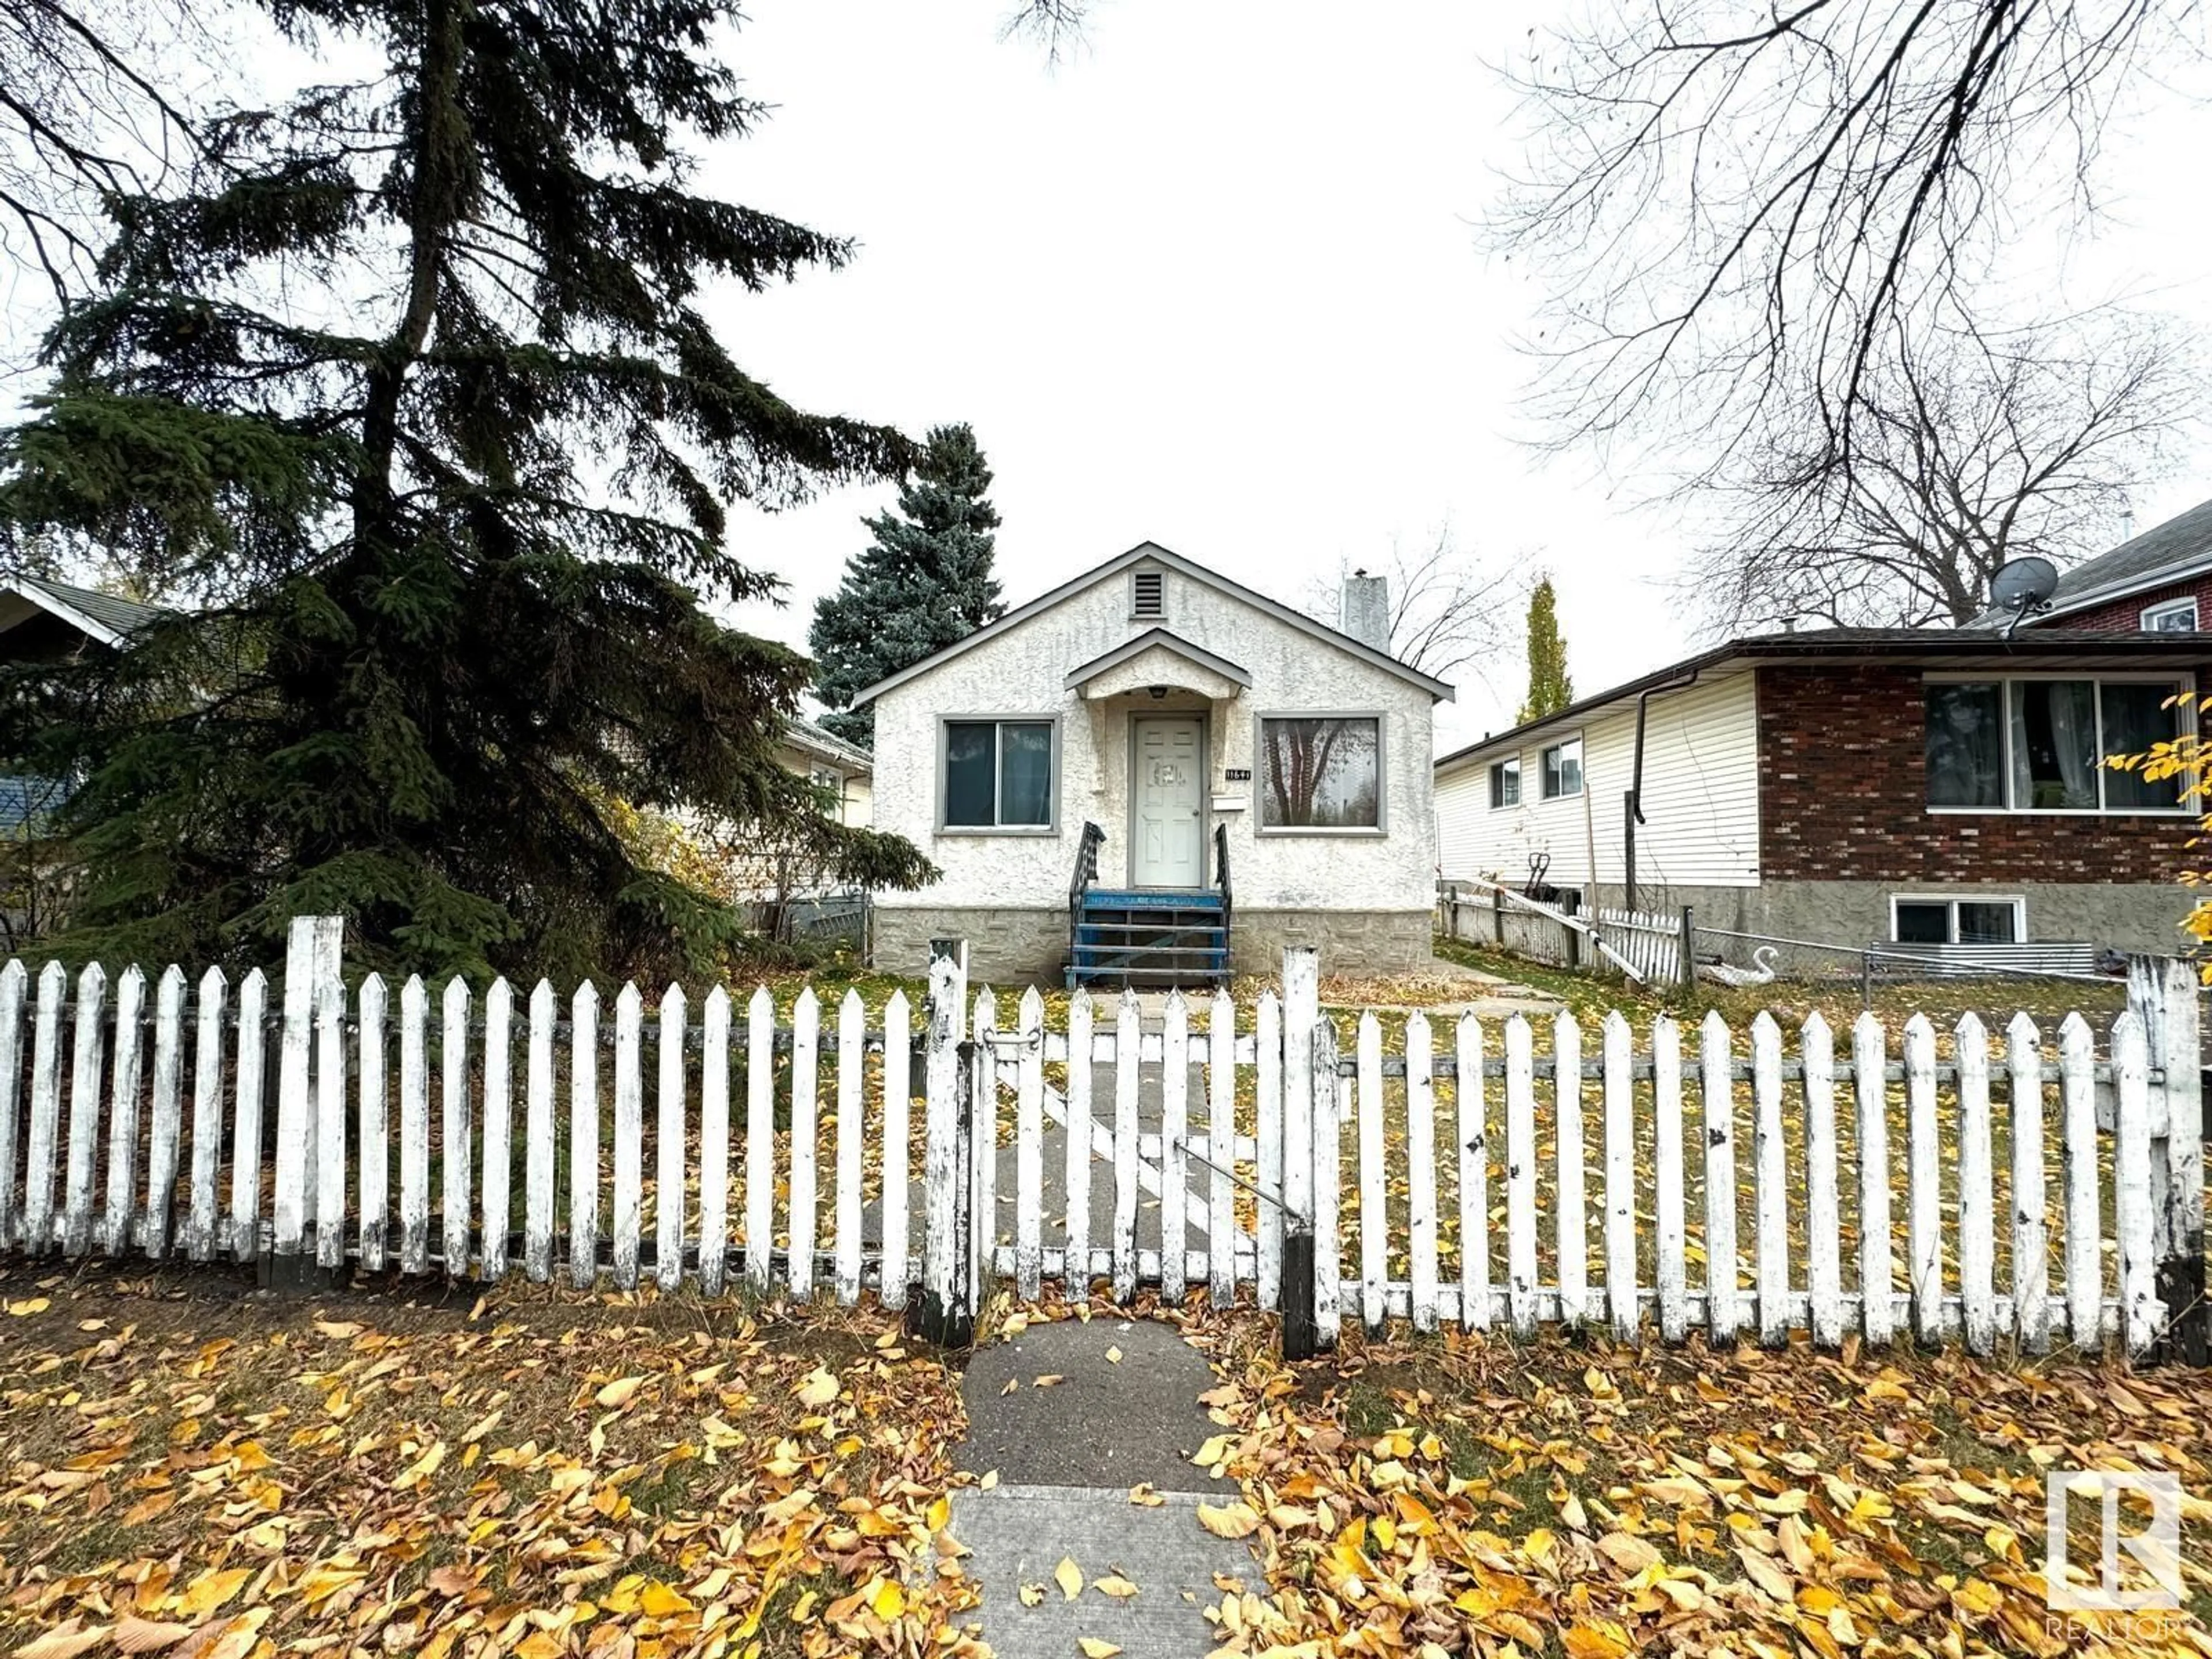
(1957, 921)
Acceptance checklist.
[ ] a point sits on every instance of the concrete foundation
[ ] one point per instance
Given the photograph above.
(1025, 947)
(2128, 916)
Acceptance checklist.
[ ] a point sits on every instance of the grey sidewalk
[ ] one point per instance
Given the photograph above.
(1065, 1457)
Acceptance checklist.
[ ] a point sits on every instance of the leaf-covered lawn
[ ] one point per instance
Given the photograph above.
(214, 1476)
(1462, 1497)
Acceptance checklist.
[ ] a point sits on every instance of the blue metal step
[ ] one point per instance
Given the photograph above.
(1148, 898)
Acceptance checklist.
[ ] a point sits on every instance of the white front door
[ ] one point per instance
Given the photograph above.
(1167, 849)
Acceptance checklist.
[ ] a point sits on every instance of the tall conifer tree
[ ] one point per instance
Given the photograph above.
(408, 388)
(923, 583)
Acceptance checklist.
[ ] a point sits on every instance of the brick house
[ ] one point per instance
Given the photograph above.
(2159, 581)
(1856, 786)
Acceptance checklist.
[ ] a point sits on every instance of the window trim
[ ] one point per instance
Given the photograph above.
(1382, 824)
(2182, 683)
(1049, 828)
(1520, 784)
(2017, 901)
(2187, 602)
(1582, 771)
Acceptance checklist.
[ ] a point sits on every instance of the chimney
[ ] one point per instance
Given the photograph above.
(1365, 612)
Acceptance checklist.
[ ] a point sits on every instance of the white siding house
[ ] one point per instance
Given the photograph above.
(1184, 716)
(1700, 794)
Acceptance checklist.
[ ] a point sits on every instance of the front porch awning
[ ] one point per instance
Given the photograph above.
(1158, 656)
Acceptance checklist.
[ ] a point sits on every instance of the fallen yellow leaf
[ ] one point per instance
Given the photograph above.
(1068, 1577)
(619, 1394)
(658, 1600)
(1115, 1585)
(819, 1389)
(1095, 1649)
(1238, 1520)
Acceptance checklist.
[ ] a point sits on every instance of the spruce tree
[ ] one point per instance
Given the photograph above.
(404, 385)
(1549, 688)
(923, 583)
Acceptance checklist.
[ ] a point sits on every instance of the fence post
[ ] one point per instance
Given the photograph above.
(1301, 1014)
(311, 958)
(2163, 990)
(1497, 915)
(1572, 906)
(945, 1313)
(1689, 964)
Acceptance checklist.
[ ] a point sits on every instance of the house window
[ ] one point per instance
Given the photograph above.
(1505, 783)
(997, 774)
(1563, 769)
(1958, 921)
(1148, 595)
(2039, 745)
(1320, 772)
(2173, 617)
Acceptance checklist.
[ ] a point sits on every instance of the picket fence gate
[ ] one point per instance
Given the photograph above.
(1248, 1148)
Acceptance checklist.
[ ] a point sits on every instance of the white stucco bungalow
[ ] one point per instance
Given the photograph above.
(1152, 773)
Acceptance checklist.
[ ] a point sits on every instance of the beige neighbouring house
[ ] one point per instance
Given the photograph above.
(834, 763)
(1154, 775)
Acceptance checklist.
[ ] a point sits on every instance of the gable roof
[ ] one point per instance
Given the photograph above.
(1166, 640)
(108, 618)
(1152, 552)
(2181, 547)
(1944, 647)
(820, 741)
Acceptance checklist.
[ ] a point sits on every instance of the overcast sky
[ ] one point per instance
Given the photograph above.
(1214, 280)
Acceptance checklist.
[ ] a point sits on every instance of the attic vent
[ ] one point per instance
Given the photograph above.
(1149, 593)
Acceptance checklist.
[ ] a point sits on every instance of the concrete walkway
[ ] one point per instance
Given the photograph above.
(1065, 1457)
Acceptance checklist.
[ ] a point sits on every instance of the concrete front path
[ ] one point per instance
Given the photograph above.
(1065, 1456)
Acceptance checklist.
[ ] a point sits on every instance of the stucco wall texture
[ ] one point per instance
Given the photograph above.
(991, 878)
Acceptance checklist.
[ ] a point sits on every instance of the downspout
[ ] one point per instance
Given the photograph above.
(1633, 802)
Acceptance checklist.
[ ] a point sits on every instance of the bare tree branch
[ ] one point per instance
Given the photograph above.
(1974, 447)
(1733, 203)
(1448, 607)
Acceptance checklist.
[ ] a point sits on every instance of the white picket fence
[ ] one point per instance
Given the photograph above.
(1445, 1173)
(1651, 942)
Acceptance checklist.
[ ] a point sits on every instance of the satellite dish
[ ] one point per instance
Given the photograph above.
(2023, 586)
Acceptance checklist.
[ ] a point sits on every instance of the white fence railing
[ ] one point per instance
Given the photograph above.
(1916, 1181)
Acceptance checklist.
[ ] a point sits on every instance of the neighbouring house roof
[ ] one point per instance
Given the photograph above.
(1153, 553)
(1173, 643)
(107, 617)
(1948, 649)
(812, 739)
(2164, 554)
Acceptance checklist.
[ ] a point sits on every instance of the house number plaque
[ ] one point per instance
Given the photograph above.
(1238, 775)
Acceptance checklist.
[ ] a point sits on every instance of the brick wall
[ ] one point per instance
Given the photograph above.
(2126, 615)
(1842, 797)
